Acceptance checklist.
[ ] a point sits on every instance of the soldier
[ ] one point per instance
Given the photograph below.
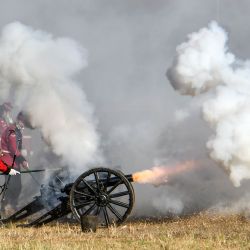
(11, 146)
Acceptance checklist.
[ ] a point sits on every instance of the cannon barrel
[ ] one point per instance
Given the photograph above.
(114, 180)
(104, 181)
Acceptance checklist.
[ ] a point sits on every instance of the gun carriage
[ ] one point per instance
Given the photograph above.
(102, 192)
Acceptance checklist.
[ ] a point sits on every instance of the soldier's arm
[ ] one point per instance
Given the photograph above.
(4, 168)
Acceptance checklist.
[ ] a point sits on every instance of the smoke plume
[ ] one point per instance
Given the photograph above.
(204, 63)
(37, 73)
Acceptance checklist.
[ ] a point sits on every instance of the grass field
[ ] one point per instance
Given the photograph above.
(193, 232)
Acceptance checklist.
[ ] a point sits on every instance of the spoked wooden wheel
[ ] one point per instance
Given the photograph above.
(102, 192)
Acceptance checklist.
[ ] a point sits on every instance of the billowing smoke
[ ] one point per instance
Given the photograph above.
(37, 72)
(204, 63)
(168, 204)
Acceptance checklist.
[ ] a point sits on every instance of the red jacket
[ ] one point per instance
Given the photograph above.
(3, 126)
(4, 168)
(11, 144)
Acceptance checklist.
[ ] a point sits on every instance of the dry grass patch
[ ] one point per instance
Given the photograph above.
(194, 232)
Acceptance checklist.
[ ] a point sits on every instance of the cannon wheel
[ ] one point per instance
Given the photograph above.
(92, 194)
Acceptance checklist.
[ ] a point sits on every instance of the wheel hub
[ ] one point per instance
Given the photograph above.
(102, 199)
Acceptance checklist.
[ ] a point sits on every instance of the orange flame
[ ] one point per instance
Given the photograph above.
(159, 174)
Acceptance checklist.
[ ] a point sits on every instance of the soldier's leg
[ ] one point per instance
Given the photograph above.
(13, 191)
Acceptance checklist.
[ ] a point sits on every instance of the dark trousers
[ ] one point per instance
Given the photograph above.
(13, 192)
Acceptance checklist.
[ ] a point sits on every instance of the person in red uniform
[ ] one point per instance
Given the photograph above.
(11, 159)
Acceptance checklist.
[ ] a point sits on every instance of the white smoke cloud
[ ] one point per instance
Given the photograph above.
(239, 206)
(203, 63)
(181, 114)
(37, 73)
(166, 204)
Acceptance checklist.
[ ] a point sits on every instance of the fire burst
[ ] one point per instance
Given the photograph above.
(160, 174)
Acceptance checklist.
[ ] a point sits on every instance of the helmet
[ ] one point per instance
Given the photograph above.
(23, 119)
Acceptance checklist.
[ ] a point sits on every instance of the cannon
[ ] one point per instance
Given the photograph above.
(102, 192)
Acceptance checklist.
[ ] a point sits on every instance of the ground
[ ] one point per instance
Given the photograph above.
(201, 231)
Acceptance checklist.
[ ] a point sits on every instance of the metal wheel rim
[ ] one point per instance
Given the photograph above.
(96, 199)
